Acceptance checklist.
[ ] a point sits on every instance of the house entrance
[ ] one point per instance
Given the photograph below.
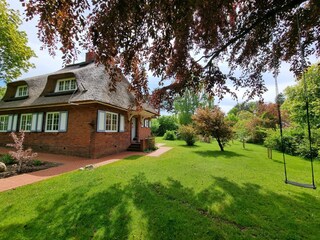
(134, 129)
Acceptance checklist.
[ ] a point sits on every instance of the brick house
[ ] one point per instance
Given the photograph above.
(75, 111)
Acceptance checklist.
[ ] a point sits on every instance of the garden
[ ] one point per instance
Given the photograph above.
(193, 192)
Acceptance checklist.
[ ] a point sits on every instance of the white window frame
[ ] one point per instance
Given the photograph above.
(22, 91)
(116, 125)
(62, 122)
(146, 123)
(28, 117)
(47, 118)
(66, 87)
(4, 118)
(114, 122)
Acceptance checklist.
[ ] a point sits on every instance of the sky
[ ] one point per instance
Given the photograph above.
(44, 63)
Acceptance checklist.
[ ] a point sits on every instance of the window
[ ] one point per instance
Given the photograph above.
(146, 123)
(4, 119)
(56, 121)
(8, 123)
(25, 122)
(109, 122)
(68, 84)
(22, 91)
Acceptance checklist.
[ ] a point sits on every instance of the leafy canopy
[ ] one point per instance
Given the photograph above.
(295, 102)
(184, 40)
(14, 52)
(212, 122)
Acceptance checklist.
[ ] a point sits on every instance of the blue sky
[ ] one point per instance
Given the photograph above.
(45, 63)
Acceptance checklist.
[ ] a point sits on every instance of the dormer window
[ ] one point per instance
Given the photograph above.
(65, 85)
(22, 91)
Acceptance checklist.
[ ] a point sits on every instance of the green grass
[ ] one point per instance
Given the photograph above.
(187, 193)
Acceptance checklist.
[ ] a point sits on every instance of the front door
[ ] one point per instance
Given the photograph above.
(133, 129)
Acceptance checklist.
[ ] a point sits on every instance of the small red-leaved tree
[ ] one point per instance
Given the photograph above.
(20, 154)
(212, 122)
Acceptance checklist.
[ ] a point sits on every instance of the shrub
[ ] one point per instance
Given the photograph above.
(169, 135)
(155, 127)
(166, 123)
(188, 134)
(7, 159)
(20, 154)
(37, 163)
(304, 150)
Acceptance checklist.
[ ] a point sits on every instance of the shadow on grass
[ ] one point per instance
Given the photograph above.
(186, 146)
(133, 157)
(216, 153)
(223, 210)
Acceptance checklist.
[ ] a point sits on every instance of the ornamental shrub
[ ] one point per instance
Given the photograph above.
(7, 159)
(169, 135)
(188, 134)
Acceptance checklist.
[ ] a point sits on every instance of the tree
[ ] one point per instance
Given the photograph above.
(186, 105)
(163, 124)
(295, 102)
(14, 52)
(2, 92)
(183, 41)
(212, 122)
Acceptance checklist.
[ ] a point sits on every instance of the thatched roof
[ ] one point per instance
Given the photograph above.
(93, 85)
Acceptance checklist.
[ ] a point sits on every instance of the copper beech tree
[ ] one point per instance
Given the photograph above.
(183, 42)
(211, 122)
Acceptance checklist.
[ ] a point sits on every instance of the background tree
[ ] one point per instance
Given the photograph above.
(186, 105)
(212, 122)
(164, 123)
(2, 92)
(295, 102)
(183, 40)
(14, 52)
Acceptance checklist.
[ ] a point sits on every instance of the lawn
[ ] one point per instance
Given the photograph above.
(187, 193)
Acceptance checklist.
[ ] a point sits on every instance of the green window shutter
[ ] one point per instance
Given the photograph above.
(39, 122)
(63, 122)
(101, 121)
(14, 123)
(10, 123)
(34, 122)
(121, 123)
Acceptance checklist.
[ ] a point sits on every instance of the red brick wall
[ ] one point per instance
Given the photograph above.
(106, 143)
(76, 141)
(143, 132)
(81, 138)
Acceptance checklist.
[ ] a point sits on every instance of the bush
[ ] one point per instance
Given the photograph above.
(166, 123)
(169, 135)
(7, 159)
(37, 163)
(188, 134)
(304, 150)
(154, 127)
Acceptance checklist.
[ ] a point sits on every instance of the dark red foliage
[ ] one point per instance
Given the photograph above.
(183, 41)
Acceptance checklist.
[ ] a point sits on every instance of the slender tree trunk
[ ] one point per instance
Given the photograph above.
(20, 166)
(243, 144)
(220, 145)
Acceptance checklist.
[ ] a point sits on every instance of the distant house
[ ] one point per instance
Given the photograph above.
(74, 111)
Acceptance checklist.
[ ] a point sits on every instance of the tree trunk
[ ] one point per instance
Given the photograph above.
(19, 166)
(243, 144)
(220, 145)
